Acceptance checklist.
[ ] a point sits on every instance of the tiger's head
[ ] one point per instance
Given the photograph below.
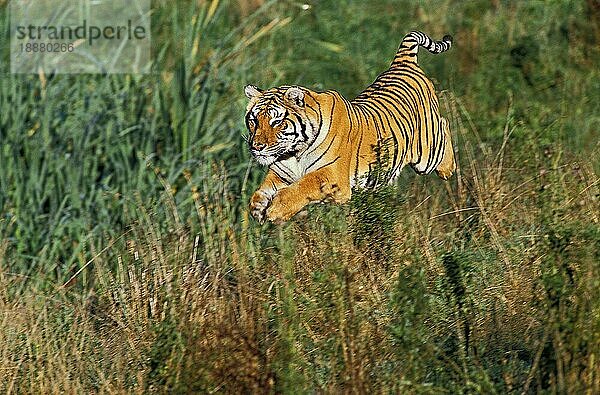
(282, 122)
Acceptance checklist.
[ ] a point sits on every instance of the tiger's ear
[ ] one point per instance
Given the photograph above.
(295, 95)
(252, 91)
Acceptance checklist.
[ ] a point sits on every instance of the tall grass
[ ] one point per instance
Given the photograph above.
(76, 149)
(495, 295)
(128, 263)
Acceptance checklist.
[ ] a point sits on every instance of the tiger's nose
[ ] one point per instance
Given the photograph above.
(256, 146)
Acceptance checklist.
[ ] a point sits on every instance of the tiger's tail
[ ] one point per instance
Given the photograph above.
(411, 42)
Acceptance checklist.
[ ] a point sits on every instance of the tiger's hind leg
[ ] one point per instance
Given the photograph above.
(447, 166)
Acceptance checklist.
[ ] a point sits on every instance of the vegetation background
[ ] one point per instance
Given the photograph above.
(128, 263)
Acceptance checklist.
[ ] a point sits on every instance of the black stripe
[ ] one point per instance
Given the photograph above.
(320, 156)
(434, 145)
(286, 173)
(302, 127)
(247, 119)
(357, 154)
(320, 126)
(441, 145)
(311, 108)
(327, 164)
(319, 112)
(349, 111)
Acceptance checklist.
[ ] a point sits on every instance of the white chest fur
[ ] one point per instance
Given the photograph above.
(289, 170)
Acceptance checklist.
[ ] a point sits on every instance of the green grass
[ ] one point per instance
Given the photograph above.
(128, 262)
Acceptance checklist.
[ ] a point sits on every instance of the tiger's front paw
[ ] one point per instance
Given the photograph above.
(280, 210)
(258, 205)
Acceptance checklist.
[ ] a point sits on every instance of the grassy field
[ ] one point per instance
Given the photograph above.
(128, 262)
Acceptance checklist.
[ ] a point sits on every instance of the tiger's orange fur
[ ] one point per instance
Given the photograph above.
(319, 145)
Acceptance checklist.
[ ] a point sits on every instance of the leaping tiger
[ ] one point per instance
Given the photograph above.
(318, 145)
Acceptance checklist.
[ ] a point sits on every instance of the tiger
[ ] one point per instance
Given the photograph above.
(319, 146)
